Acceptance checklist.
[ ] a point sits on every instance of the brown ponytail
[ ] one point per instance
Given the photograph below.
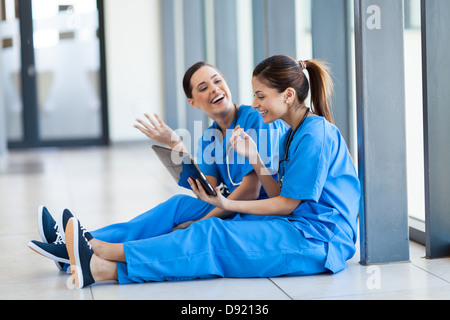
(281, 72)
(322, 88)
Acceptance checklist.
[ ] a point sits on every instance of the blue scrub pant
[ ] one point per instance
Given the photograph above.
(245, 246)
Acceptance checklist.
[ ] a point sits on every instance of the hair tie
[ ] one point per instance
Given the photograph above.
(303, 64)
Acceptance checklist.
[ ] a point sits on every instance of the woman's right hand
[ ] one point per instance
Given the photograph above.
(158, 131)
(243, 144)
(218, 201)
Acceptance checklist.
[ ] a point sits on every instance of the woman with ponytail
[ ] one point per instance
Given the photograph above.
(313, 207)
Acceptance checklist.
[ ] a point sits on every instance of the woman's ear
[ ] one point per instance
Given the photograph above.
(289, 95)
(192, 103)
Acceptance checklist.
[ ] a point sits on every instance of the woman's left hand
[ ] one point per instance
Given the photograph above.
(219, 201)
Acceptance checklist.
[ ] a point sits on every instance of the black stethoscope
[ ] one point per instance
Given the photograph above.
(289, 140)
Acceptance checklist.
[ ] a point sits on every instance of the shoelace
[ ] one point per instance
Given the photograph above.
(59, 238)
(85, 239)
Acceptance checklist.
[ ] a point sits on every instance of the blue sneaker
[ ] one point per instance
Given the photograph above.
(55, 251)
(80, 254)
(50, 232)
(47, 226)
(66, 216)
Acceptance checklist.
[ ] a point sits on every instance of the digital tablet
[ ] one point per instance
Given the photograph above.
(181, 167)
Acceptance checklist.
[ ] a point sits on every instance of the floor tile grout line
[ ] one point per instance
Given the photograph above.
(429, 272)
(280, 289)
(92, 293)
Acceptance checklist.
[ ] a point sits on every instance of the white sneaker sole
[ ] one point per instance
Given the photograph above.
(46, 254)
(72, 248)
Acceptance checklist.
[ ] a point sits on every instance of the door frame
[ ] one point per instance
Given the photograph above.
(31, 136)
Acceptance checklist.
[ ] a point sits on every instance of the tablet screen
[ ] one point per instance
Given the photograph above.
(181, 167)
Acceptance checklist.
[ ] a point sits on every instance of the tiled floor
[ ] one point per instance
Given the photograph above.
(109, 185)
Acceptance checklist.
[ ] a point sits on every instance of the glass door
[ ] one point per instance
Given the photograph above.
(59, 97)
(10, 58)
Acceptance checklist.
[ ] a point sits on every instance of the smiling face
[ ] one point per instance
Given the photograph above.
(210, 92)
(270, 103)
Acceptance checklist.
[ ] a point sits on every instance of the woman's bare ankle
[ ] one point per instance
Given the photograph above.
(103, 270)
(108, 251)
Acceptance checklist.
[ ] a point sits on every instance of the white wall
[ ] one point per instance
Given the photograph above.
(134, 64)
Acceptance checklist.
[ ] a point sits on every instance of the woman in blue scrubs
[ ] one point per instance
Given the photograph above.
(306, 226)
(318, 190)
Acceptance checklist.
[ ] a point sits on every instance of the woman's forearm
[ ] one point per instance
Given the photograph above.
(273, 206)
(179, 146)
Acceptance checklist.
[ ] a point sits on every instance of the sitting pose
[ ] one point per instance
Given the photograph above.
(314, 204)
(135, 245)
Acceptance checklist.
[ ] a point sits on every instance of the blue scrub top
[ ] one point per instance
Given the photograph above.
(212, 152)
(321, 173)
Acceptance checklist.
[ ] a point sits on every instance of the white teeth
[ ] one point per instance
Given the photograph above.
(218, 99)
(263, 112)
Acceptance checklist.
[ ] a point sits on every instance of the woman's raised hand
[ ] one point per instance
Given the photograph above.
(158, 130)
(243, 144)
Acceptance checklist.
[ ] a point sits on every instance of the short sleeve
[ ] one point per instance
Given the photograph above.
(307, 170)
